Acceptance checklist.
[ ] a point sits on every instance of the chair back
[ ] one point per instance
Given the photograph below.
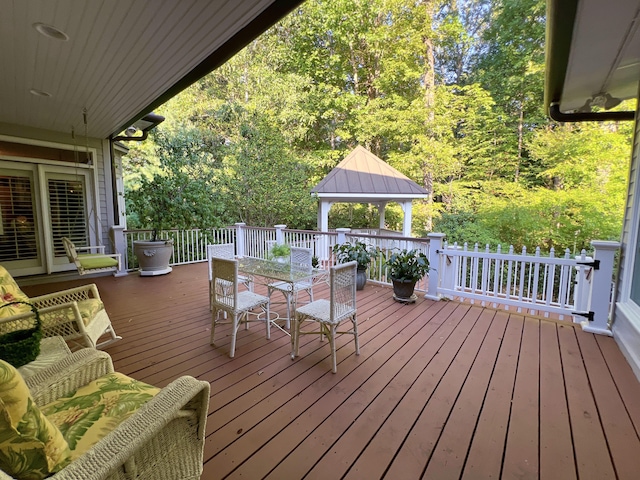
(342, 284)
(220, 250)
(224, 274)
(301, 259)
(70, 250)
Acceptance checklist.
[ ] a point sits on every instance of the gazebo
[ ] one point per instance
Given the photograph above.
(362, 177)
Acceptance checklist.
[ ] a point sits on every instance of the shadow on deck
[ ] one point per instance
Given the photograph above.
(441, 389)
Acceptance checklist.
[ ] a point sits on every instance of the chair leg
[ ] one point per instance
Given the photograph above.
(234, 334)
(355, 333)
(295, 336)
(268, 322)
(287, 299)
(214, 319)
(331, 334)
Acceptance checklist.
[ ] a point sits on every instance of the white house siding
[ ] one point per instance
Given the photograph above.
(626, 314)
(102, 170)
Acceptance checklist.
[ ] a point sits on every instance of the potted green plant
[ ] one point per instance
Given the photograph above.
(179, 195)
(279, 252)
(405, 268)
(358, 251)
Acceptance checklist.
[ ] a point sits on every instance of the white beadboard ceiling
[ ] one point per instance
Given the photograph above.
(121, 56)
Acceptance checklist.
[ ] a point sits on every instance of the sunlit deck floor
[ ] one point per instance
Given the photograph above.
(440, 390)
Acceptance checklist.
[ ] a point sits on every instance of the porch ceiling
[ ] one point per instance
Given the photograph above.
(593, 47)
(122, 59)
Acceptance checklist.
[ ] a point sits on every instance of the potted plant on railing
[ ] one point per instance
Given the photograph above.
(358, 251)
(405, 268)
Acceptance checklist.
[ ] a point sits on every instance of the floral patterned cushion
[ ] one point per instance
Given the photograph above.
(31, 447)
(10, 292)
(96, 409)
(88, 310)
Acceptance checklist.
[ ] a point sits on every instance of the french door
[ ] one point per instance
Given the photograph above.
(40, 204)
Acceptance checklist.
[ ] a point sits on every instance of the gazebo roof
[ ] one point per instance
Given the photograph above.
(364, 178)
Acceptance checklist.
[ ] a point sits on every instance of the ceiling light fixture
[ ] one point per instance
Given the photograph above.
(50, 31)
(39, 93)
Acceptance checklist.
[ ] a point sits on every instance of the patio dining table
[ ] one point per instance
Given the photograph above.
(282, 272)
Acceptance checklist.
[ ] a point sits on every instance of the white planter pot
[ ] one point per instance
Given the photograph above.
(153, 257)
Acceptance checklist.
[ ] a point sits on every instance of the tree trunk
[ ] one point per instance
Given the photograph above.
(520, 142)
(429, 82)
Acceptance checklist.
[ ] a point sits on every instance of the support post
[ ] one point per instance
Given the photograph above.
(240, 244)
(120, 245)
(280, 234)
(435, 245)
(342, 235)
(382, 221)
(406, 223)
(601, 288)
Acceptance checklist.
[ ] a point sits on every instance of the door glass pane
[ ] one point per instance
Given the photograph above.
(68, 211)
(18, 222)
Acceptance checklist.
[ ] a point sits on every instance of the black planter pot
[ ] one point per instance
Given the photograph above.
(361, 278)
(403, 289)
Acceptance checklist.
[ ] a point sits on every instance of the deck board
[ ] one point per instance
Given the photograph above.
(440, 389)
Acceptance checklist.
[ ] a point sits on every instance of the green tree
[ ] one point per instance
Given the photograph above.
(181, 193)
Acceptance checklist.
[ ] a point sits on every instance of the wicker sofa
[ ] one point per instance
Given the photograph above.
(77, 314)
(163, 438)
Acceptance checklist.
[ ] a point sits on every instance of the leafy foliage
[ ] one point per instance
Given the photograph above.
(348, 252)
(408, 265)
(448, 92)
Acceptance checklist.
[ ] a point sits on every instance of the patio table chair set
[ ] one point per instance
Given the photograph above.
(239, 306)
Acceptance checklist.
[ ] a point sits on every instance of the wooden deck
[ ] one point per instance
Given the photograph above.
(441, 389)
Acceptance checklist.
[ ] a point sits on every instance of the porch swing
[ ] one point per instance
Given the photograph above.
(93, 259)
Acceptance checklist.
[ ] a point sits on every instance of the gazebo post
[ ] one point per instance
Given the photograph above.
(323, 226)
(381, 207)
(406, 223)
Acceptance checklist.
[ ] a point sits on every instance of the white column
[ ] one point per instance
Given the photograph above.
(381, 207)
(406, 224)
(601, 288)
(120, 245)
(280, 233)
(240, 244)
(323, 226)
(435, 245)
(342, 235)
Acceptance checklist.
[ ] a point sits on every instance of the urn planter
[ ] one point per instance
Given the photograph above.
(361, 278)
(153, 256)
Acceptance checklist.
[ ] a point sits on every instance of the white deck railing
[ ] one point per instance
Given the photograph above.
(527, 282)
(548, 285)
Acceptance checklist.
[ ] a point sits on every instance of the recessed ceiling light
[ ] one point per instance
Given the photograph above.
(50, 31)
(39, 93)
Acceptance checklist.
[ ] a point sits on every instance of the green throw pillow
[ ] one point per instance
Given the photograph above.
(31, 447)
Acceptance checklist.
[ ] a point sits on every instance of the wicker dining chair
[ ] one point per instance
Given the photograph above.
(301, 261)
(329, 314)
(237, 305)
(224, 250)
